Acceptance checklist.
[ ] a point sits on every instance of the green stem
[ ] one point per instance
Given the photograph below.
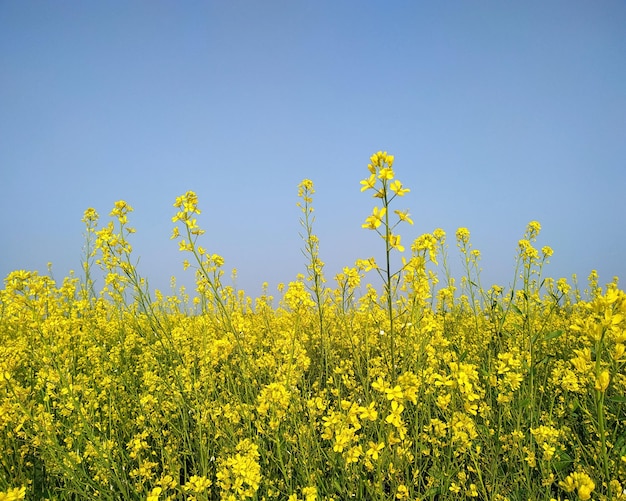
(392, 341)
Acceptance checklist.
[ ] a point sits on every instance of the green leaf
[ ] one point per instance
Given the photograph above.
(553, 335)
(618, 399)
(433, 491)
(563, 461)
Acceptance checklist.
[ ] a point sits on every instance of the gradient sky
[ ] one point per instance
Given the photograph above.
(498, 113)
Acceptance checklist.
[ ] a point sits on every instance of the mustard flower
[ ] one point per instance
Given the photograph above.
(602, 381)
(240, 474)
(353, 454)
(368, 412)
(563, 286)
(309, 493)
(462, 235)
(381, 385)
(120, 209)
(197, 484)
(394, 393)
(581, 482)
(353, 279)
(528, 252)
(381, 158)
(374, 449)
(618, 352)
(403, 492)
(394, 417)
(533, 229)
(369, 183)
(394, 243)
(404, 216)
(154, 494)
(343, 438)
(386, 174)
(397, 188)
(13, 494)
(410, 386)
(90, 216)
(366, 264)
(183, 246)
(374, 221)
(305, 190)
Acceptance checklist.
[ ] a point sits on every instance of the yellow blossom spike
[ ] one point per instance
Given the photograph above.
(386, 174)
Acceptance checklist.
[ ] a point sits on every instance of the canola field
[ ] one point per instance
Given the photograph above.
(424, 387)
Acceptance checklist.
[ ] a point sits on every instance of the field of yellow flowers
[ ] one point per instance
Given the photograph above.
(426, 387)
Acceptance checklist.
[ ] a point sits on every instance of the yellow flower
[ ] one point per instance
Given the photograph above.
(527, 250)
(462, 235)
(394, 393)
(394, 243)
(366, 264)
(343, 438)
(197, 484)
(386, 174)
(90, 215)
(369, 183)
(13, 494)
(381, 158)
(580, 481)
(368, 412)
(404, 216)
(403, 492)
(602, 381)
(374, 449)
(154, 494)
(380, 385)
(353, 455)
(240, 474)
(120, 210)
(394, 418)
(374, 221)
(184, 246)
(305, 189)
(397, 188)
(309, 493)
(533, 229)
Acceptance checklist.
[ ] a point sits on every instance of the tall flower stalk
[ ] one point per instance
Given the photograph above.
(386, 187)
(315, 265)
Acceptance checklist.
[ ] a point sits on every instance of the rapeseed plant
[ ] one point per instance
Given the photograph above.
(431, 388)
(386, 188)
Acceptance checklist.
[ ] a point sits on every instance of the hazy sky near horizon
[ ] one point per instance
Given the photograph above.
(498, 113)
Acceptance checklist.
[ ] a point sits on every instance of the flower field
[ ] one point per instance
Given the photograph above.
(424, 387)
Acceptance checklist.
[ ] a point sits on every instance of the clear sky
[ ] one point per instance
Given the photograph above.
(498, 113)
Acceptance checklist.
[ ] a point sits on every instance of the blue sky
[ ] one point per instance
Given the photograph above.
(498, 113)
